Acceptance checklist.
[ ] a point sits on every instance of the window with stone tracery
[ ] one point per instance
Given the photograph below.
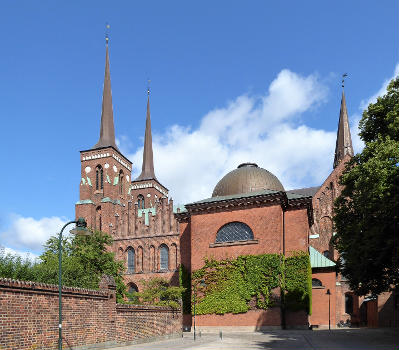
(234, 231)
(164, 257)
(131, 263)
(140, 201)
(99, 178)
(121, 178)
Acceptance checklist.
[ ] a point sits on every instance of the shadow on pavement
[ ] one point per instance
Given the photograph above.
(348, 339)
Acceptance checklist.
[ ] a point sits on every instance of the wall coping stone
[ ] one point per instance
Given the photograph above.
(45, 288)
(135, 307)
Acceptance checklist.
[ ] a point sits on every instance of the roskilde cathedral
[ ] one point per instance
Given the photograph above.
(249, 212)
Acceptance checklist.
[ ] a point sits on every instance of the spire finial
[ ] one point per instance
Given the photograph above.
(107, 130)
(107, 26)
(344, 141)
(343, 79)
(147, 171)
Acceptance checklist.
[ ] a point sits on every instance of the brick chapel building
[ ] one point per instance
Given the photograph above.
(249, 212)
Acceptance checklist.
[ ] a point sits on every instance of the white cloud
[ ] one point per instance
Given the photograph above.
(263, 129)
(29, 234)
(23, 254)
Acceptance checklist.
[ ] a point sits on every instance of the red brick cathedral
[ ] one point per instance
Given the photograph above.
(249, 212)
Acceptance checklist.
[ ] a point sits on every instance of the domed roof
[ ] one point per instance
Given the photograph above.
(248, 177)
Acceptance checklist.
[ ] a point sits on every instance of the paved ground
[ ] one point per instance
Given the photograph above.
(343, 339)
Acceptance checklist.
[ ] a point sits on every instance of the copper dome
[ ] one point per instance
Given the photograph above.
(248, 177)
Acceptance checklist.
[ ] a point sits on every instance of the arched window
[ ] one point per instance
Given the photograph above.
(131, 263)
(326, 253)
(140, 201)
(234, 231)
(164, 257)
(132, 288)
(316, 283)
(99, 178)
(121, 182)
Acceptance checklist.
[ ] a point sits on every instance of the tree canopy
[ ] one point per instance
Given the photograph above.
(157, 291)
(84, 260)
(366, 215)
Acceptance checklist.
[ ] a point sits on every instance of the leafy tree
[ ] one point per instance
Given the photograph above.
(84, 260)
(13, 266)
(157, 291)
(366, 216)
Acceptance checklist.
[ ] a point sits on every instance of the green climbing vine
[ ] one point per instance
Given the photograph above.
(298, 283)
(249, 282)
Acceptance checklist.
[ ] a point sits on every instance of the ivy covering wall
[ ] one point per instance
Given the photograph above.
(298, 283)
(238, 285)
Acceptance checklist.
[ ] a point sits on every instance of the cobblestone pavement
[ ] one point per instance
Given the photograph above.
(343, 339)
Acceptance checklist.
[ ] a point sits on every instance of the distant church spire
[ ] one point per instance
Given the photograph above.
(107, 130)
(147, 171)
(344, 140)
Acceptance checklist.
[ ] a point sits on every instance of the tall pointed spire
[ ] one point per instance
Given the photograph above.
(107, 130)
(344, 140)
(147, 171)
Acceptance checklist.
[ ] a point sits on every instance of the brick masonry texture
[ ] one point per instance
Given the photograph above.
(320, 299)
(29, 317)
(190, 236)
(256, 320)
(265, 222)
(138, 322)
(114, 209)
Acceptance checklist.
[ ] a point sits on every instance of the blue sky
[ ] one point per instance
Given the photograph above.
(231, 81)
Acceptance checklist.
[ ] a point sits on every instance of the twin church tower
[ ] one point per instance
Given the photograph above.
(137, 213)
(151, 239)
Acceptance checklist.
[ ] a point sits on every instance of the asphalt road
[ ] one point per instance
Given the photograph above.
(342, 339)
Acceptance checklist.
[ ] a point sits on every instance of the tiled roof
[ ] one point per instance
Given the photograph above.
(290, 195)
(235, 196)
(295, 196)
(319, 260)
(304, 192)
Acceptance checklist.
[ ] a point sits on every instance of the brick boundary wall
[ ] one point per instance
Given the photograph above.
(139, 323)
(91, 318)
